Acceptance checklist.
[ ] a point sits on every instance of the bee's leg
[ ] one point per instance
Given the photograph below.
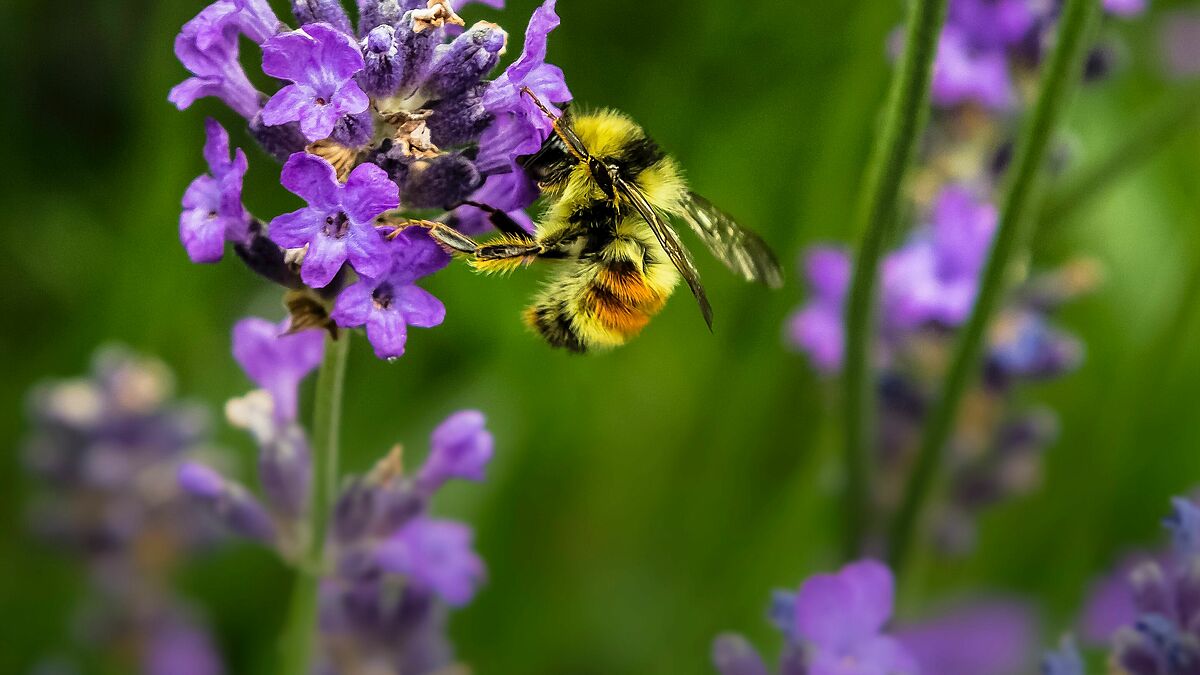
(501, 221)
(510, 250)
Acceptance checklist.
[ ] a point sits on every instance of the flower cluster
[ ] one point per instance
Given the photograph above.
(106, 448)
(987, 45)
(835, 625)
(370, 120)
(928, 289)
(392, 568)
(1148, 611)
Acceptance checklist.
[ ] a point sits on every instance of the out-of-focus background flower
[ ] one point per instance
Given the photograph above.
(639, 502)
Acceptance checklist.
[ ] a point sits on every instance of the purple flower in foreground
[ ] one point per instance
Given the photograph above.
(840, 617)
(339, 221)
(993, 23)
(387, 305)
(277, 361)
(461, 448)
(209, 50)
(986, 638)
(212, 206)
(321, 63)
(519, 127)
(436, 554)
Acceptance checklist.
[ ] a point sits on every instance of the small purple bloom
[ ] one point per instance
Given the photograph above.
(339, 221)
(387, 305)
(1064, 661)
(519, 127)
(994, 23)
(461, 448)
(321, 63)
(1125, 8)
(962, 73)
(212, 206)
(988, 638)
(277, 361)
(436, 554)
(177, 647)
(841, 618)
(207, 46)
(817, 328)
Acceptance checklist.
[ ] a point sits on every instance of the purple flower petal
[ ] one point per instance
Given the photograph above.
(817, 330)
(986, 638)
(285, 105)
(325, 257)
(436, 554)
(387, 332)
(353, 305)
(275, 361)
(312, 179)
(461, 448)
(369, 193)
(419, 307)
(835, 611)
(368, 252)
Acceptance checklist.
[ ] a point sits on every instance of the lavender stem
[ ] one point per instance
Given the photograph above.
(892, 153)
(301, 628)
(1062, 72)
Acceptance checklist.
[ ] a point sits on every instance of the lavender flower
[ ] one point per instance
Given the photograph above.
(400, 110)
(212, 206)
(817, 328)
(321, 63)
(209, 50)
(461, 448)
(339, 222)
(435, 554)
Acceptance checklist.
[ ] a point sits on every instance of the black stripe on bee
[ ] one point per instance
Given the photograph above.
(637, 156)
(554, 325)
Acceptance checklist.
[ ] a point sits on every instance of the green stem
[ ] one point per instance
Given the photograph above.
(1155, 132)
(300, 631)
(891, 155)
(1057, 83)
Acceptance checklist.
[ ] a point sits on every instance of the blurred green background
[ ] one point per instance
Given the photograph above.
(643, 500)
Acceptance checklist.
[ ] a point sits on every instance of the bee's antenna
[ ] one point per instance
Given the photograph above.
(574, 143)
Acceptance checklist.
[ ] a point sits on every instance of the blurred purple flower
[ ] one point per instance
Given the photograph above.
(339, 221)
(817, 327)
(1181, 43)
(840, 617)
(321, 63)
(436, 554)
(984, 638)
(963, 74)
(1125, 8)
(177, 647)
(212, 205)
(388, 305)
(993, 23)
(276, 360)
(461, 448)
(1064, 661)
(229, 503)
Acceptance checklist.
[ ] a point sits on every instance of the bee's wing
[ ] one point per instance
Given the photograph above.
(742, 251)
(670, 242)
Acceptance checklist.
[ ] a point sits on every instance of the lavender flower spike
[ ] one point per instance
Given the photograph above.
(212, 206)
(519, 127)
(209, 50)
(321, 63)
(435, 554)
(461, 448)
(388, 305)
(339, 221)
(277, 361)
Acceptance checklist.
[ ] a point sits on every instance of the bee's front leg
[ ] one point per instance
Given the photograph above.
(455, 241)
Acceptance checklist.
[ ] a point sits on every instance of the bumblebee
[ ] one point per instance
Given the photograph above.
(611, 190)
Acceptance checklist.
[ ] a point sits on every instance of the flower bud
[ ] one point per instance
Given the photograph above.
(322, 11)
(465, 61)
(230, 503)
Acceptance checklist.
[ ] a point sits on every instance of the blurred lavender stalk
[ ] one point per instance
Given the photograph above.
(107, 448)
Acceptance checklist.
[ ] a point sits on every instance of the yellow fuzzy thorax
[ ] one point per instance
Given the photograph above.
(605, 134)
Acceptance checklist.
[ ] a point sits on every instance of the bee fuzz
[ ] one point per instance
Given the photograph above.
(436, 15)
(340, 157)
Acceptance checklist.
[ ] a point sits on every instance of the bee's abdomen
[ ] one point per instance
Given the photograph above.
(605, 307)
